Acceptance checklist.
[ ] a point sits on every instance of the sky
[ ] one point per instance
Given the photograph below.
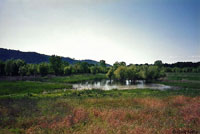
(134, 31)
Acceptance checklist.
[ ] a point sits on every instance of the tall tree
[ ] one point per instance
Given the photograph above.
(132, 73)
(23, 70)
(67, 70)
(19, 63)
(10, 67)
(43, 69)
(2, 68)
(110, 73)
(93, 69)
(121, 73)
(102, 63)
(55, 64)
(32, 69)
(158, 63)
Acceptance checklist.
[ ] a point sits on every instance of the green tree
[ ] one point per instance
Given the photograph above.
(56, 64)
(2, 68)
(116, 65)
(102, 67)
(122, 63)
(77, 67)
(23, 70)
(198, 69)
(158, 63)
(32, 69)
(133, 73)
(121, 73)
(68, 70)
(110, 73)
(150, 73)
(18, 63)
(43, 69)
(94, 69)
(65, 63)
(102, 63)
(10, 67)
(84, 67)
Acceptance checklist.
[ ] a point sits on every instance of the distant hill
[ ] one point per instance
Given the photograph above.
(33, 57)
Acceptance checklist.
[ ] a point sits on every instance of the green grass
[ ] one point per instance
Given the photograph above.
(182, 84)
(184, 76)
(77, 78)
(21, 87)
(24, 88)
(183, 80)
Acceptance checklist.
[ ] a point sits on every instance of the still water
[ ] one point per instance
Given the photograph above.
(108, 85)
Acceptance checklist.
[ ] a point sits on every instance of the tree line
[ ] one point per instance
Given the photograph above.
(184, 67)
(183, 64)
(183, 70)
(119, 71)
(55, 66)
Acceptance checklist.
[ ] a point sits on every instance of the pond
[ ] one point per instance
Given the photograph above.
(109, 85)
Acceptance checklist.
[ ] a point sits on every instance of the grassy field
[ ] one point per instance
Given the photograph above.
(47, 108)
(184, 80)
(23, 87)
(184, 76)
(75, 78)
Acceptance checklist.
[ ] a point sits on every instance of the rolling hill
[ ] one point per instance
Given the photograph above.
(34, 57)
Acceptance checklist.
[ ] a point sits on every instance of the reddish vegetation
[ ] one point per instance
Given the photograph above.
(97, 130)
(180, 100)
(191, 111)
(154, 115)
(78, 116)
(150, 102)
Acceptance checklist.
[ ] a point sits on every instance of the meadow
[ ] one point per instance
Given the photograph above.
(184, 80)
(50, 106)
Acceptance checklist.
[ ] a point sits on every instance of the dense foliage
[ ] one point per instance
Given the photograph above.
(133, 72)
(119, 71)
(55, 66)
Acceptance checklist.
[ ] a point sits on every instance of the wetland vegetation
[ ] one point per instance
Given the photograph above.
(49, 104)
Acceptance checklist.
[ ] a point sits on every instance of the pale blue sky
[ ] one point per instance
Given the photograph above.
(134, 31)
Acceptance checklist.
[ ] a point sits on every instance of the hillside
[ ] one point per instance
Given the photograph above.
(33, 57)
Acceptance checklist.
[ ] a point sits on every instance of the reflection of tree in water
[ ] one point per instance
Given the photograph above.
(109, 85)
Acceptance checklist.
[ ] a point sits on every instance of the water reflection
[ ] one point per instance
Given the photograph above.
(108, 85)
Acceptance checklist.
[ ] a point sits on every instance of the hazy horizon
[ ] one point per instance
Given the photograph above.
(134, 31)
